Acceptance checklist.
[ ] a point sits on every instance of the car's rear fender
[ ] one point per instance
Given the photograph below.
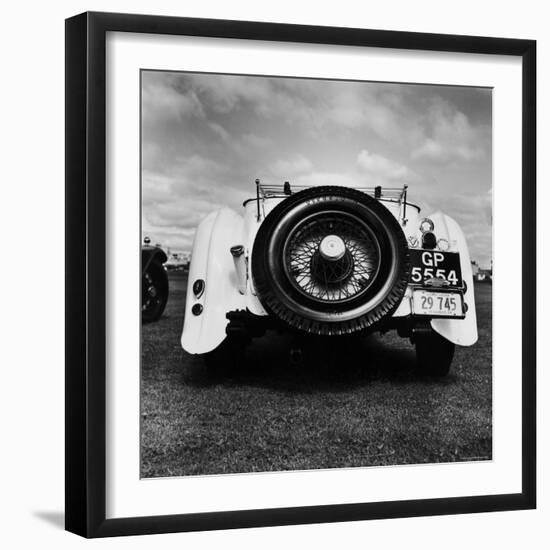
(459, 331)
(151, 254)
(212, 262)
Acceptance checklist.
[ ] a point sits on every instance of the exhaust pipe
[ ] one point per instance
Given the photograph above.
(239, 260)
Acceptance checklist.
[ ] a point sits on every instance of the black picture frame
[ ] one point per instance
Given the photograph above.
(86, 285)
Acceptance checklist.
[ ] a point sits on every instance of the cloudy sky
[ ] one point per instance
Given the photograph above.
(207, 137)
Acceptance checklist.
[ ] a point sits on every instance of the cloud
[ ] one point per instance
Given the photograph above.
(381, 170)
(315, 179)
(488, 206)
(207, 137)
(374, 109)
(176, 239)
(291, 167)
(219, 130)
(162, 102)
(452, 137)
(251, 140)
(225, 93)
(177, 200)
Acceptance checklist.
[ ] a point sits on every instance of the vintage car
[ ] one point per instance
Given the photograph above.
(331, 262)
(154, 282)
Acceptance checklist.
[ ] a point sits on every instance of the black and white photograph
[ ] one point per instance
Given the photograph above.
(262, 310)
(316, 278)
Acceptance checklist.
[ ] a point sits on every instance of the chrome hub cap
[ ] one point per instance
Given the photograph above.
(332, 248)
(332, 257)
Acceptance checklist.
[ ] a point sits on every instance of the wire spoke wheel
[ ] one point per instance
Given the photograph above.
(345, 274)
(330, 260)
(154, 292)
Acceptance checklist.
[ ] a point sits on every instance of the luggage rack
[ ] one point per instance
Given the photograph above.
(388, 194)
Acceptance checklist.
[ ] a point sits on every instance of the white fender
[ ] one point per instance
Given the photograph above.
(462, 332)
(212, 262)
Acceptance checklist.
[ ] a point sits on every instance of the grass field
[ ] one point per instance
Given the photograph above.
(343, 412)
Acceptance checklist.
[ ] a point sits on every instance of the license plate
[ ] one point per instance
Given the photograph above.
(435, 268)
(437, 304)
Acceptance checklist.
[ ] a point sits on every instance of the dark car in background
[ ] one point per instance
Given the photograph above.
(154, 282)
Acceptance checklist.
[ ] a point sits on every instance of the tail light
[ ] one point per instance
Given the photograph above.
(198, 287)
(443, 245)
(428, 240)
(426, 225)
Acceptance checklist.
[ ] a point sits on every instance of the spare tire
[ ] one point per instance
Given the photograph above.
(330, 260)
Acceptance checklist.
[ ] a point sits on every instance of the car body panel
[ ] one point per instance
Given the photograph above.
(213, 263)
(459, 331)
